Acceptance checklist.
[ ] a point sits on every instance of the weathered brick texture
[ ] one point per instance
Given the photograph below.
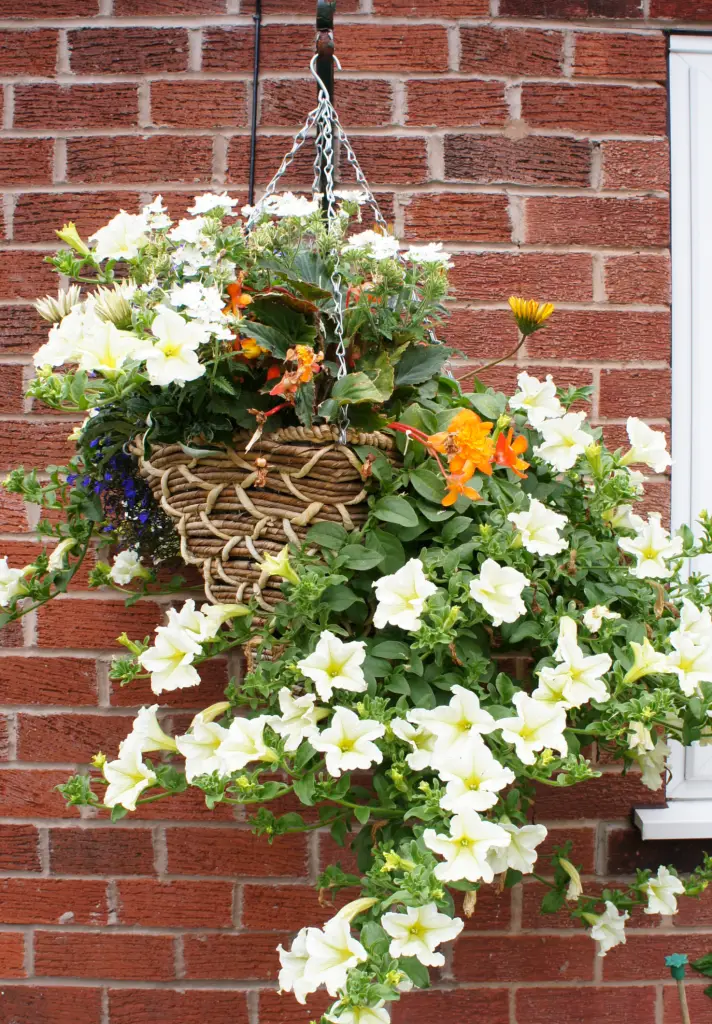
(528, 135)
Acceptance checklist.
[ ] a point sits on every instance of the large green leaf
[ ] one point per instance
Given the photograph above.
(419, 363)
(392, 509)
(354, 388)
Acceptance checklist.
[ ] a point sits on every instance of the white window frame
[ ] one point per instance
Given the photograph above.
(689, 792)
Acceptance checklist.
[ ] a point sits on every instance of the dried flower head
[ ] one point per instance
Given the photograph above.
(54, 310)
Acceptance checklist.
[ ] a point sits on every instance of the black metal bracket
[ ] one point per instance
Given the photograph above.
(325, 43)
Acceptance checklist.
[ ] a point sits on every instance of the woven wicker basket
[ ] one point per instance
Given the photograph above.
(232, 507)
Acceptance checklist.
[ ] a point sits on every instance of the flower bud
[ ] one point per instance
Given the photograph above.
(70, 235)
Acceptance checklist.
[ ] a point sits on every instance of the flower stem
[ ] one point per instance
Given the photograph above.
(495, 362)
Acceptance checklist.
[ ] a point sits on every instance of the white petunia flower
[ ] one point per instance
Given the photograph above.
(299, 718)
(691, 663)
(593, 617)
(210, 201)
(335, 664)
(189, 230)
(170, 660)
(648, 446)
(200, 626)
(499, 590)
(401, 597)
(474, 777)
(431, 253)
(122, 238)
(63, 342)
(422, 740)
(662, 890)
(199, 302)
(156, 215)
(646, 662)
(521, 853)
(348, 742)
(373, 243)
(10, 583)
(539, 528)
(362, 1015)
(292, 976)
(332, 952)
(173, 357)
(564, 441)
(640, 739)
(106, 349)
(127, 776)
(288, 205)
(578, 677)
(352, 195)
(148, 733)
(621, 517)
(695, 623)
(652, 765)
(419, 931)
(456, 723)
(609, 928)
(537, 725)
(200, 748)
(127, 567)
(652, 547)
(244, 743)
(537, 399)
(466, 848)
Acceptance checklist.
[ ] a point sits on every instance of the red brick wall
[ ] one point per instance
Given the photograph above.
(530, 135)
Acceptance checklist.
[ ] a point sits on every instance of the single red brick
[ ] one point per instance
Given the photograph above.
(4, 738)
(638, 392)
(234, 852)
(455, 102)
(609, 222)
(158, 158)
(12, 389)
(627, 852)
(28, 53)
(49, 9)
(214, 678)
(21, 329)
(146, 1006)
(598, 109)
(24, 275)
(486, 1006)
(39, 214)
(246, 956)
(69, 738)
(523, 958)
(199, 104)
(76, 106)
(572, 8)
(609, 797)
(12, 954)
(532, 160)
(603, 1005)
(101, 851)
(294, 7)
(104, 955)
(52, 901)
(636, 165)
(693, 9)
(637, 278)
(18, 848)
(284, 1009)
(431, 8)
(156, 904)
(493, 910)
(266, 908)
(286, 102)
(29, 794)
(620, 55)
(134, 51)
(602, 334)
(642, 958)
(12, 635)
(71, 1005)
(281, 48)
(169, 8)
(57, 681)
(494, 276)
(506, 51)
(461, 216)
(13, 515)
(94, 624)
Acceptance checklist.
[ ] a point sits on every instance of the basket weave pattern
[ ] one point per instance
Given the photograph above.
(234, 506)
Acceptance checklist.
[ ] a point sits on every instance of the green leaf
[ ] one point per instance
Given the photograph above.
(356, 556)
(455, 527)
(417, 972)
(118, 812)
(338, 831)
(703, 965)
(339, 597)
(268, 337)
(419, 363)
(372, 934)
(304, 790)
(328, 535)
(392, 509)
(553, 901)
(428, 484)
(355, 388)
(490, 404)
(362, 814)
(390, 649)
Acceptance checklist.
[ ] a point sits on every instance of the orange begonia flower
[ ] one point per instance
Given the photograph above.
(457, 487)
(308, 363)
(466, 443)
(238, 301)
(508, 451)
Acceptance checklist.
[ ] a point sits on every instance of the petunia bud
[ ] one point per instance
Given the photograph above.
(70, 235)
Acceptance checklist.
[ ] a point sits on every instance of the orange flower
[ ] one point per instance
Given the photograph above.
(457, 487)
(250, 349)
(466, 443)
(508, 451)
(308, 363)
(238, 301)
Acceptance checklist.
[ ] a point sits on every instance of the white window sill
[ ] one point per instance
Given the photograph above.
(681, 819)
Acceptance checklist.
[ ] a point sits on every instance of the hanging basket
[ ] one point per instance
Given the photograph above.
(233, 507)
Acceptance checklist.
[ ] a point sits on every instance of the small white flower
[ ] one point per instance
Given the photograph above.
(652, 765)
(564, 441)
(646, 661)
(466, 848)
(640, 739)
(593, 617)
(173, 357)
(200, 626)
(609, 928)
(537, 725)
(691, 663)
(147, 732)
(539, 528)
(288, 205)
(122, 238)
(170, 660)
(431, 253)
(200, 747)
(474, 777)
(648, 446)
(695, 623)
(374, 244)
(455, 724)
(415, 732)
(64, 340)
(199, 302)
(106, 349)
(577, 677)
(499, 590)
(214, 616)
(536, 398)
(332, 952)
(352, 195)
(244, 743)
(189, 231)
(401, 597)
(662, 890)
(335, 664)
(58, 560)
(10, 583)
(348, 742)
(210, 201)
(126, 567)
(621, 517)
(637, 482)
(127, 776)
(292, 976)
(299, 717)
(419, 931)
(652, 547)
(521, 853)
(156, 215)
